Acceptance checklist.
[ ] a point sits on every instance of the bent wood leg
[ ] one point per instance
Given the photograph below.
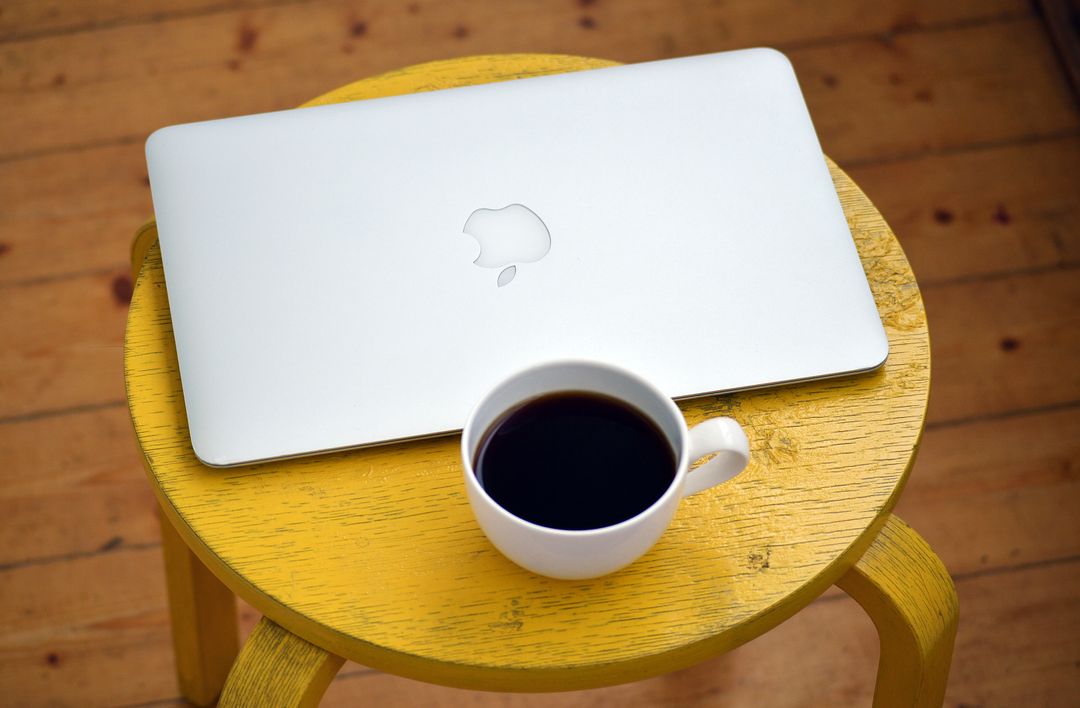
(910, 597)
(277, 668)
(201, 609)
(203, 614)
(145, 237)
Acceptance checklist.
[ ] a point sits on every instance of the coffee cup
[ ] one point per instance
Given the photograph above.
(550, 488)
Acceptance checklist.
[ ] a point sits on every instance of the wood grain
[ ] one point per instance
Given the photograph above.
(72, 485)
(72, 213)
(1016, 646)
(203, 621)
(982, 212)
(746, 22)
(998, 493)
(30, 18)
(67, 352)
(1008, 344)
(1050, 177)
(390, 604)
(71, 331)
(277, 668)
(872, 98)
(826, 656)
(70, 632)
(1061, 17)
(908, 593)
(958, 215)
(994, 496)
(1018, 471)
(60, 503)
(934, 91)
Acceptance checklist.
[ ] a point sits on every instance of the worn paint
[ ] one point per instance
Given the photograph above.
(419, 597)
(908, 593)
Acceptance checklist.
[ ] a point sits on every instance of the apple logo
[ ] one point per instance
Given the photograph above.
(513, 234)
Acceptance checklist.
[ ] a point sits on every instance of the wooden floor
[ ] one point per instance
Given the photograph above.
(956, 117)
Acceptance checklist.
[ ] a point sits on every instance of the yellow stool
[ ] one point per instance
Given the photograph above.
(373, 555)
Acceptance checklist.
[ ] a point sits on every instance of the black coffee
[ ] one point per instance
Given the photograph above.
(575, 461)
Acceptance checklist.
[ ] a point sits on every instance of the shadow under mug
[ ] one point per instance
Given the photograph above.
(590, 553)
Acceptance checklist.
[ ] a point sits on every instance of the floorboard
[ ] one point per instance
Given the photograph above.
(956, 118)
(872, 98)
(982, 212)
(1003, 344)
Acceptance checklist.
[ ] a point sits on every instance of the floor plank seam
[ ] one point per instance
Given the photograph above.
(58, 412)
(161, 18)
(1004, 18)
(959, 578)
(999, 275)
(110, 547)
(924, 285)
(153, 18)
(944, 81)
(1015, 568)
(1001, 415)
(977, 146)
(902, 30)
(75, 147)
(69, 275)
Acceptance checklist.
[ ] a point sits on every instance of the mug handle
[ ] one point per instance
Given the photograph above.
(725, 437)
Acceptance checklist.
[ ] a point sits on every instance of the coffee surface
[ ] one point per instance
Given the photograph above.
(575, 460)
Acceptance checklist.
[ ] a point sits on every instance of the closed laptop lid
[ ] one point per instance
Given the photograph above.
(361, 273)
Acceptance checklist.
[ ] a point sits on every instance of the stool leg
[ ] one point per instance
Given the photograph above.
(910, 597)
(277, 668)
(203, 613)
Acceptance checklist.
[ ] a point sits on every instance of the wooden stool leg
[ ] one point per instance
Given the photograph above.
(277, 668)
(145, 237)
(204, 627)
(910, 597)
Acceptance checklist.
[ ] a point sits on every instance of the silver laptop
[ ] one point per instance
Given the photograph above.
(362, 273)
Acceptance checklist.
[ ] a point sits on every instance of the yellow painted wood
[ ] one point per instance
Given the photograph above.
(202, 612)
(910, 597)
(144, 238)
(277, 669)
(374, 554)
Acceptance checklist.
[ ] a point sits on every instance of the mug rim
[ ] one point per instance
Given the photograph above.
(681, 465)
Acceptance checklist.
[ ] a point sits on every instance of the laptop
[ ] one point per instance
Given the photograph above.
(362, 273)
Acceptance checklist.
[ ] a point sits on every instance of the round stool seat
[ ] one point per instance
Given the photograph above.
(375, 556)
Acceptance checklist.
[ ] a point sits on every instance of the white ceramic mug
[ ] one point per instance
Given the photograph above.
(590, 553)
